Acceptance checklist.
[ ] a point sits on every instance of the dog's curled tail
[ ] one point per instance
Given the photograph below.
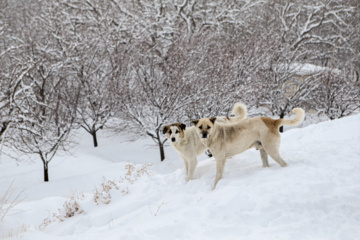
(299, 118)
(240, 109)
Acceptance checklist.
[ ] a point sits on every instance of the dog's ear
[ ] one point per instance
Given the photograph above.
(165, 129)
(182, 126)
(195, 121)
(213, 119)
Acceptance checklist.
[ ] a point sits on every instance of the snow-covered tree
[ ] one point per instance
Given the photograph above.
(281, 81)
(338, 95)
(209, 69)
(46, 116)
(11, 90)
(151, 63)
(97, 103)
(12, 69)
(151, 98)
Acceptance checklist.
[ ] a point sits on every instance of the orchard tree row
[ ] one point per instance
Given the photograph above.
(142, 64)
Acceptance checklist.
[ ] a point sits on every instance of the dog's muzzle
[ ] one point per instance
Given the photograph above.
(173, 139)
(204, 135)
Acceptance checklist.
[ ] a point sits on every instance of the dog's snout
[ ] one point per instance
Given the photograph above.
(173, 139)
(204, 135)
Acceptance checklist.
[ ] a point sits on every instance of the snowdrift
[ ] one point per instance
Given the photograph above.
(316, 197)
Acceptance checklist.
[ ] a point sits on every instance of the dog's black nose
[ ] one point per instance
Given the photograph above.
(204, 135)
(173, 139)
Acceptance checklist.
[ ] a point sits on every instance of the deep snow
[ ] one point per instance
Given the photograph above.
(316, 197)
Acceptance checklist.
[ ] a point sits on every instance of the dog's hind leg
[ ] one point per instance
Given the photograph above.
(274, 154)
(271, 143)
(272, 148)
(264, 157)
(263, 153)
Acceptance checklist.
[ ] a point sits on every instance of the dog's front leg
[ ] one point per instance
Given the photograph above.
(264, 158)
(186, 163)
(220, 164)
(192, 166)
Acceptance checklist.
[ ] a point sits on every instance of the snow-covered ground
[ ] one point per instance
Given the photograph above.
(316, 197)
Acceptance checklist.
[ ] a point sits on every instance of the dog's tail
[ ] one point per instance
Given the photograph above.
(299, 118)
(239, 109)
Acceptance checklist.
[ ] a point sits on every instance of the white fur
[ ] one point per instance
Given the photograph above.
(226, 140)
(190, 145)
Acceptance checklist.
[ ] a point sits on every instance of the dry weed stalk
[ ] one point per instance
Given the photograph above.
(70, 209)
(9, 200)
(101, 195)
(17, 233)
(130, 169)
(104, 196)
(157, 210)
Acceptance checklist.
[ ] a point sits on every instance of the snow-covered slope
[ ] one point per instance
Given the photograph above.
(316, 197)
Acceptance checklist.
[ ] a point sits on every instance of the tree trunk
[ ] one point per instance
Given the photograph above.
(161, 146)
(157, 139)
(93, 133)
(162, 153)
(46, 172)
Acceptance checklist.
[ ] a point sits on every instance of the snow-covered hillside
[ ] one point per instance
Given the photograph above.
(316, 197)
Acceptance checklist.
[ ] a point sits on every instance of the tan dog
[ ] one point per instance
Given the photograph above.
(226, 140)
(187, 143)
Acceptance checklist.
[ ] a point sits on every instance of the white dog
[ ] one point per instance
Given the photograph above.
(187, 143)
(226, 140)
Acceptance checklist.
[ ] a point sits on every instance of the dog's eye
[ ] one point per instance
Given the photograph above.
(208, 127)
(177, 131)
(170, 132)
(200, 127)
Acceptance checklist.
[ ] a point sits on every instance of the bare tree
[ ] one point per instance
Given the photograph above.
(12, 70)
(11, 91)
(311, 28)
(98, 104)
(153, 62)
(100, 32)
(338, 95)
(46, 116)
(277, 84)
(151, 99)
